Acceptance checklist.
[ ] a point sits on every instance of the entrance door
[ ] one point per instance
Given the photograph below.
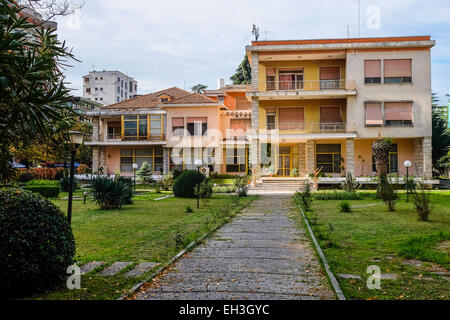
(284, 164)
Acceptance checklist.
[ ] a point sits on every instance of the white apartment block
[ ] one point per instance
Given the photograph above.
(108, 87)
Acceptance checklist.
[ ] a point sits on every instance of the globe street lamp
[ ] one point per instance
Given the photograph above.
(85, 194)
(135, 166)
(407, 165)
(76, 139)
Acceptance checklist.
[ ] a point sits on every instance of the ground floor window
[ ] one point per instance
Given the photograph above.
(393, 160)
(329, 158)
(153, 156)
(187, 158)
(236, 159)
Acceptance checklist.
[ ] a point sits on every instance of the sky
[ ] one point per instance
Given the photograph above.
(181, 43)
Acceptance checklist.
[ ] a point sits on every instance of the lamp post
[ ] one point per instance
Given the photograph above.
(135, 166)
(76, 139)
(407, 165)
(85, 194)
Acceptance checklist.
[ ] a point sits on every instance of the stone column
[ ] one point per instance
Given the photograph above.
(255, 65)
(302, 170)
(218, 160)
(102, 151)
(95, 159)
(166, 160)
(310, 164)
(418, 158)
(427, 149)
(95, 129)
(350, 157)
(254, 152)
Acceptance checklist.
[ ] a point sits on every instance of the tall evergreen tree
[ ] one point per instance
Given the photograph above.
(441, 133)
(243, 73)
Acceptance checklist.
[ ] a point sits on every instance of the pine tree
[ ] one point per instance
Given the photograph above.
(243, 73)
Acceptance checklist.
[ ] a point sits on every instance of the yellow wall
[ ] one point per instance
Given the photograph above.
(311, 69)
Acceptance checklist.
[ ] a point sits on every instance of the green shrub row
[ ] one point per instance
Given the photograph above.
(43, 183)
(45, 191)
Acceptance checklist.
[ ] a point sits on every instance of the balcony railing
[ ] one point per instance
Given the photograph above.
(118, 137)
(310, 85)
(322, 127)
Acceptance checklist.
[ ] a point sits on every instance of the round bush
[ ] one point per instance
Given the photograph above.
(25, 177)
(37, 244)
(185, 184)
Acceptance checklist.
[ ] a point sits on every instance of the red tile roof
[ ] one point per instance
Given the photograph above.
(193, 98)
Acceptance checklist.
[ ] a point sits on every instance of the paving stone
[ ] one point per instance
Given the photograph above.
(114, 269)
(140, 269)
(88, 267)
(414, 263)
(349, 276)
(260, 254)
(389, 276)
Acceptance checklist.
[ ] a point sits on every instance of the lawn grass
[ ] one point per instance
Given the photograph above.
(370, 235)
(146, 231)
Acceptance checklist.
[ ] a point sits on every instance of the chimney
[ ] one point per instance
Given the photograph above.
(220, 83)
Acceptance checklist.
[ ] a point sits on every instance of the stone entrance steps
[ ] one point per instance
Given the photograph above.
(279, 184)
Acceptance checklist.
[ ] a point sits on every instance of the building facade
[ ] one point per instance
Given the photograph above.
(329, 100)
(108, 87)
(312, 105)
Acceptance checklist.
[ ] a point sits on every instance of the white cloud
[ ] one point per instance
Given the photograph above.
(163, 43)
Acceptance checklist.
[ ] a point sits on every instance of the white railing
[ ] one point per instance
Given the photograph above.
(310, 85)
(322, 127)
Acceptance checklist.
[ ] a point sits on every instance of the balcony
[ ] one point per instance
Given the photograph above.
(310, 89)
(322, 127)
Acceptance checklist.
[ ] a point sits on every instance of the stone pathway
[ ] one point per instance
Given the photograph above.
(260, 254)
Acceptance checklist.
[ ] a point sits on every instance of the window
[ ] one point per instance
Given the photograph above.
(291, 119)
(88, 90)
(328, 158)
(372, 71)
(266, 154)
(101, 89)
(176, 159)
(290, 79)
(101, 99)
(96, 89)
(126, 85)
(121, 83)
(236, 159)
(271, 118)
(131, 86)
(330, 118)
(96, 99)
(156, 127)
(374, 116)
(197, 126)
(118, 89)
(96, 78)
(271, 74)
(101, 78)
(398, 114)
(330, 77)
(135, 127)
(86, 80)
(178, 126)
(162, 100)
(118, 99)
(153, 156)
(398, 71)
(393, 160)
(114, 130)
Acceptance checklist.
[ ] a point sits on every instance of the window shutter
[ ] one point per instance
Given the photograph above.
(373, 113)
(400, 111)
(330, 73)
(196, 119)
(289, 117)
(177, 122)
(330, 115)
(397, 68)
(372, 68)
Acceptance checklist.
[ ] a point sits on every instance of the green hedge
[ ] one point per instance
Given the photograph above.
(45, 191)
(43, 183)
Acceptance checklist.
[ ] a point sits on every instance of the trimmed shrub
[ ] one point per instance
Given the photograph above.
(45, 191)
(83, 169)
(345, 206)
(65, 184)
(110, 194)
(241, 185)
(26, 177)
(37, 244)
(185, 184)
(43, 183)
(421, 200)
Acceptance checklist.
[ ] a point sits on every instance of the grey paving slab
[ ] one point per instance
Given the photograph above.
(349, 276)
(141, 269)
(114, 269)
(260, 254)
(88, 267)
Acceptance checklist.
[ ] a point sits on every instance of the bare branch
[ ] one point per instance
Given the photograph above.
(52, 8)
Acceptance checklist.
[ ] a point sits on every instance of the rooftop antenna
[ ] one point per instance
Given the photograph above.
(93, 68)
(359, 18)
(266, 32)
(255, 32)
(184, 84)
(348, 30)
